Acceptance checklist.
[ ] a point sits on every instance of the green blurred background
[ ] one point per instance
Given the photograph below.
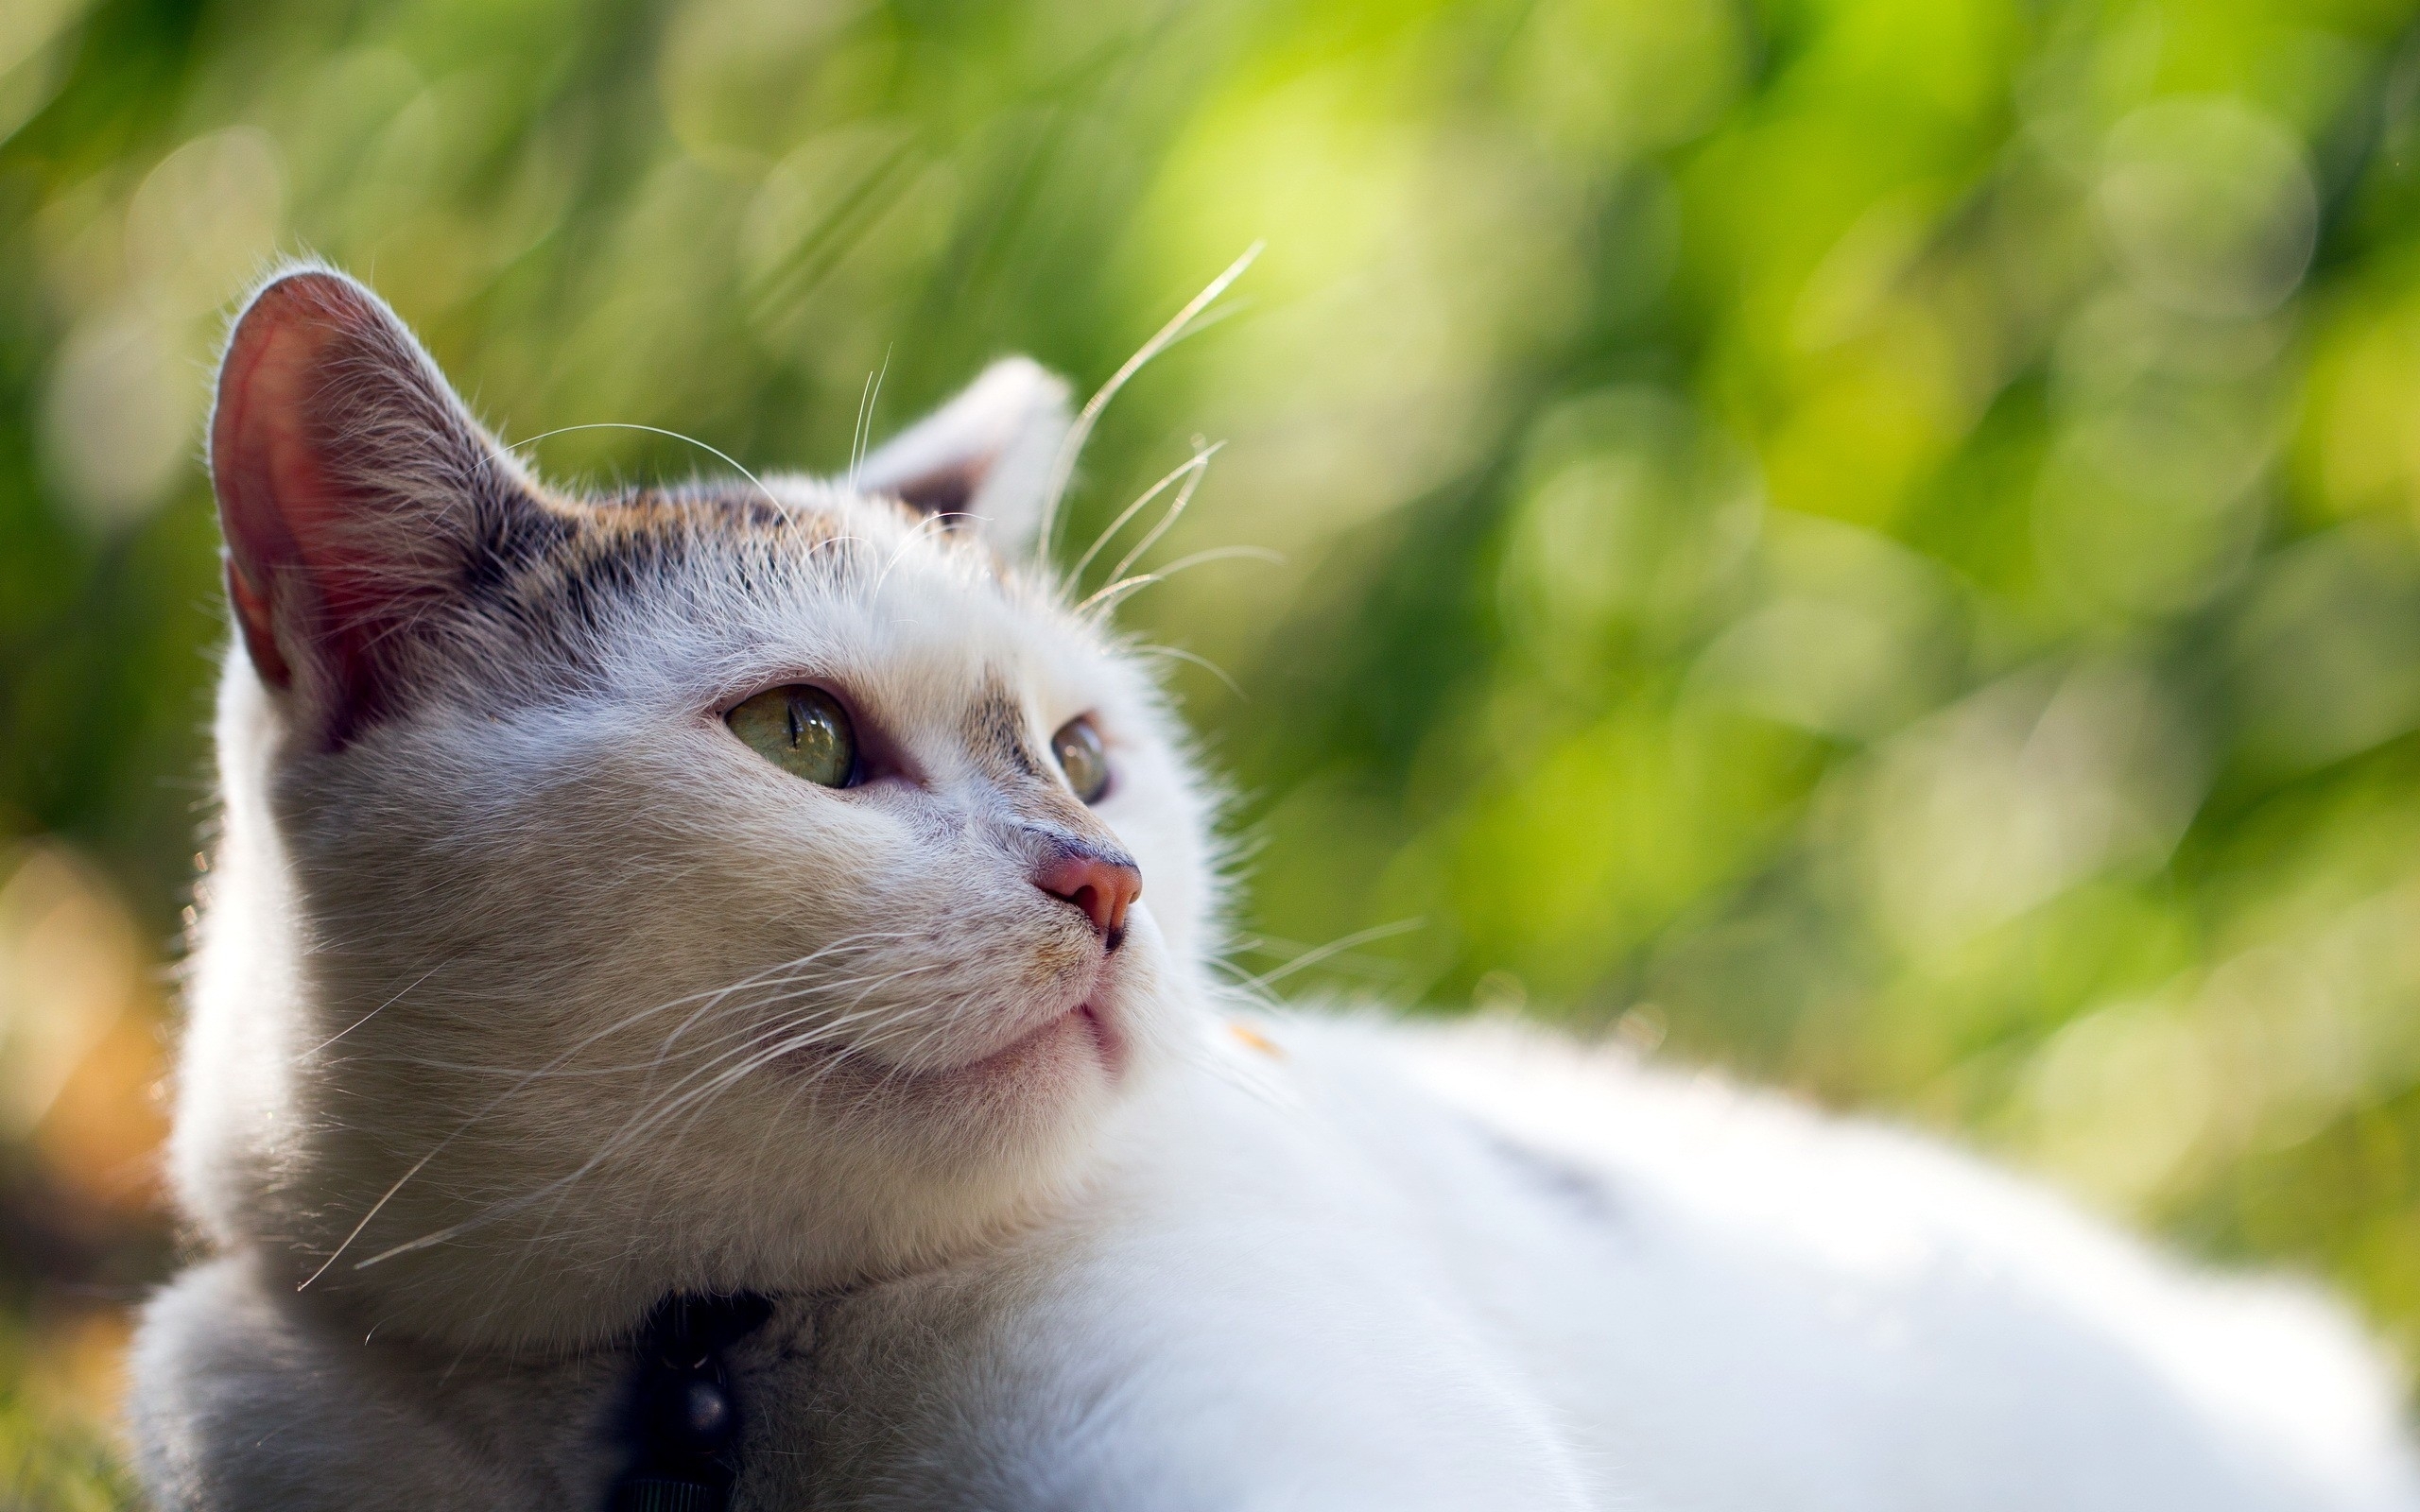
(1866, 543)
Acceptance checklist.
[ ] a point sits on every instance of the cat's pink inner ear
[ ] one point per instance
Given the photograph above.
(302, 372)
(261, 466)
(253, 622)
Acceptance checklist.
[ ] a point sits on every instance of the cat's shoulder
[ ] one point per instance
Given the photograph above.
(245, 1395)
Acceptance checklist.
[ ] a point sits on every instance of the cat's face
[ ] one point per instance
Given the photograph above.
(741, 886)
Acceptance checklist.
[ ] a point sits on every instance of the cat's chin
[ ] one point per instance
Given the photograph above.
(994, 1143)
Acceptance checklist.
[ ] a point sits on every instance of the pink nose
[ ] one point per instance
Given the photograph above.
(1102, 885)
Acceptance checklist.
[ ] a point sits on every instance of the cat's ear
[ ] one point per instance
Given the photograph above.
(985, 456)
(359, 498)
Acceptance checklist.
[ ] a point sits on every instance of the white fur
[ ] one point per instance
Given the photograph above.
(480, 1065)
(1596, 1287)
(1389, 1268)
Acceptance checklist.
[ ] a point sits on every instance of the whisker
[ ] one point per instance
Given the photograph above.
(931, 521)
(614, 1147)
(1194, 463)
(1062, 467)
(379, 1009)
(1109, 597)
(498, 1101)
(1201, 662)
(1338, 946)
(658, 430)
(1176, 508)
(750, 1035)
(657, 1062)
(747, 1038)
(863, 437)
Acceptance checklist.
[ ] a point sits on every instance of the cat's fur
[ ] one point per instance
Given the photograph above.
(528, 995)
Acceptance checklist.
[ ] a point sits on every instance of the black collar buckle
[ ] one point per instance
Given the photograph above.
(683, 1422)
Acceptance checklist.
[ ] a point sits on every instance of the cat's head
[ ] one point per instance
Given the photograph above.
(731, 885)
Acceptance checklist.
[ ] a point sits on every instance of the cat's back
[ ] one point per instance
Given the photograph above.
(1352, 1263)
(1743, 1303)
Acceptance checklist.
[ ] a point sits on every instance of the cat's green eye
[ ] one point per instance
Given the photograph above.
(1081, 756)
(803, 731)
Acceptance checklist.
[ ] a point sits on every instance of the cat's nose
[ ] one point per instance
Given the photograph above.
(1101, 882)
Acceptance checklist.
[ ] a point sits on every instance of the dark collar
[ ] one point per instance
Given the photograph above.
(681, 1424)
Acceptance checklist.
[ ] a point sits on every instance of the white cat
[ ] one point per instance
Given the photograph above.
(776, 890)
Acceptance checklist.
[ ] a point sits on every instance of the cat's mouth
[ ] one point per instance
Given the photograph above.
(1085, 1030)
(1085, 1034)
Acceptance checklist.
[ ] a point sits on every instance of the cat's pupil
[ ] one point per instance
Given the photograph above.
(1081, 757)
(802, 730)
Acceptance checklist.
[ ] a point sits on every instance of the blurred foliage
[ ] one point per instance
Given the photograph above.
(1871, 542)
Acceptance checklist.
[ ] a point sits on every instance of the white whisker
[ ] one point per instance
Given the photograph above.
(1109, 597)
(863, 435)
(656, 430)
(1175, 510)
(500, 1098)
(1202, 661)
(1062, 467)
(374, 1012)
(1200, 459)
(1334, 946)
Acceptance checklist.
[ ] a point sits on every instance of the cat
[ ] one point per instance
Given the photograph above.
(774, 890)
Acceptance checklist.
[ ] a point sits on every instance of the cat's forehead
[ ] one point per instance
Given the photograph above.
(648, 541)
(795, 568)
